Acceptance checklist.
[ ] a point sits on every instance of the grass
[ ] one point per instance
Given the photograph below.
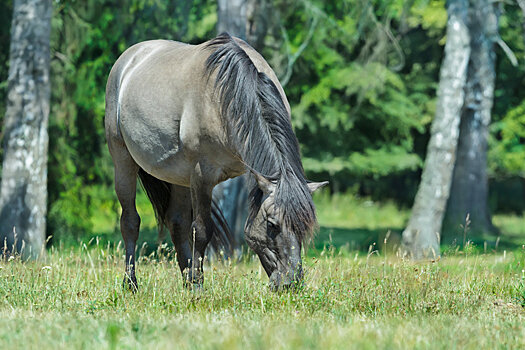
(356, 223)
(357, 294)
(344, 210)
(74, 299)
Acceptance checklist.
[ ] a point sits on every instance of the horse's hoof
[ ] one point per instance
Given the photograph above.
(197, 288)
(193, 286)
(130, 283)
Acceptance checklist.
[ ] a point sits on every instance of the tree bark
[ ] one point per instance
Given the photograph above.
(232, 17)
(23, 187)
(259, 20)
(422, 236)
(246, 19)
(469, 191)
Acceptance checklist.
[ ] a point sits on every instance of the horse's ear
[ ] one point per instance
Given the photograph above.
(267, 186)
(314, 186)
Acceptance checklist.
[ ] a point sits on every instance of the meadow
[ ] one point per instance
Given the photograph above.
(353, 297)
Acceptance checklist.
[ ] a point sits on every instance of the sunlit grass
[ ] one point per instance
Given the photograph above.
(351, 298)
(74, 299)
(512, 226)
(345, 210)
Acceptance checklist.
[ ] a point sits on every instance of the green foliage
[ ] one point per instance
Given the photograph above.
(372, 162)
(431, 15)
(506, 151)
(507, 154)
(363, 91)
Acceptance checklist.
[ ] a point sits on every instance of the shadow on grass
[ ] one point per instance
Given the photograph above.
(349, 239)
(356, 239)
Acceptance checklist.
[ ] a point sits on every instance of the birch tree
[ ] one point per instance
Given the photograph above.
(421, 236)
(23, 191)
(469, 191)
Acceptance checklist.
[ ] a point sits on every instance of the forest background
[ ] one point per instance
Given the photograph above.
(361, 77)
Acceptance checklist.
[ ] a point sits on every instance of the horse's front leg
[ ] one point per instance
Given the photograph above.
(202, 226)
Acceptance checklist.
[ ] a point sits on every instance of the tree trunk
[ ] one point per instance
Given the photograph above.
(24, 177)
(232, 17)
(245, 19)
(258, 22)
(232, 196)
(469, 191)
(421, 237)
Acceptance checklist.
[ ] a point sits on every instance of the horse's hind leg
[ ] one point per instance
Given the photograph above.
(202, 226)
(125, 186)
(179, 224)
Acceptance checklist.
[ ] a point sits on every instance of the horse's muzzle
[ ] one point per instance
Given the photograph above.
(292, 278)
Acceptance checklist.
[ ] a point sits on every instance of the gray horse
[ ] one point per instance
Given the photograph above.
(186, 117)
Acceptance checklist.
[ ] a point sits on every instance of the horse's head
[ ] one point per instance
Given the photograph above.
(276, 244)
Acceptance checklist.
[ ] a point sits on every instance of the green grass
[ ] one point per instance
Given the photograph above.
(74, 299)
(344, 210)
(356, 223)
(357, 294)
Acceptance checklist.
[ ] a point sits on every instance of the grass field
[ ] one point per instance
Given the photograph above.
(357, 293)
(74, 299)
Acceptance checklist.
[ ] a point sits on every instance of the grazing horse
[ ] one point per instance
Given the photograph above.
(184, 118)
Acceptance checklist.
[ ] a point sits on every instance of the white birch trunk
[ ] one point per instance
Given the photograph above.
(469, 191)
(23, 189)
(421, 237)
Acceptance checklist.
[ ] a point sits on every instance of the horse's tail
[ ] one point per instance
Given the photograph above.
(159, 193)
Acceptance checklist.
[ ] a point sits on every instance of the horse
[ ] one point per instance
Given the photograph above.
(184, 118)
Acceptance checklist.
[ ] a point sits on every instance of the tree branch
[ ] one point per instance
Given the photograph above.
(510, 55)
(293, 57)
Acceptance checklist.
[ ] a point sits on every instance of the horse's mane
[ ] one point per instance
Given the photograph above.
(259, 128)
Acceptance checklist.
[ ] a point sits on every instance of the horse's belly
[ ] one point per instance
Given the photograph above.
(174, 168)
(158, 150)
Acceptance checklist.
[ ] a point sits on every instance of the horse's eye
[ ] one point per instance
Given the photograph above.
(272, 225)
